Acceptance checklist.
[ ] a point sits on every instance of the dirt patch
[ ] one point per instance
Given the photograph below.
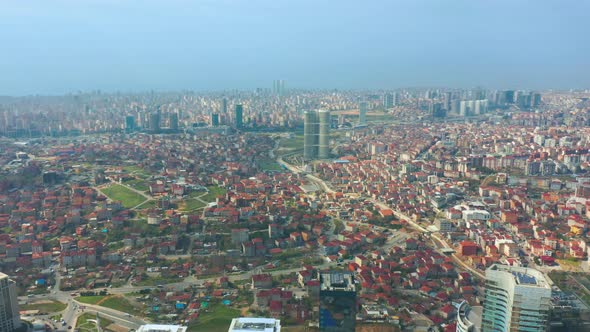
(116, 328)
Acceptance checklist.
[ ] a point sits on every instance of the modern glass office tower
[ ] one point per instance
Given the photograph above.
(516, 299)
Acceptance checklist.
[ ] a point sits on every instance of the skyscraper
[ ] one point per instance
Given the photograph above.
(224, 106)
(516, 299)
(362, 113)
(174, 121)
(239, 116)
(388, 100)
(155, 121)
(129, 123)
(214, 120)
(9, 316)
(337, 302)
(324, 134)
(278, 87)
(310, 132)
(448, 98)
(316, 134)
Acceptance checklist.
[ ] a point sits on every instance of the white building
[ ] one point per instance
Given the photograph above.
(516, 299)
(468, 318)
(9, 316)
(161, 328)
(251, 324)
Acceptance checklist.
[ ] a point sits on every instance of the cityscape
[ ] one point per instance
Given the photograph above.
(268, 167)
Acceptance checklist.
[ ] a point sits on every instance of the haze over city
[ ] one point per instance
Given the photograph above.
(304, 166)
(57, 47)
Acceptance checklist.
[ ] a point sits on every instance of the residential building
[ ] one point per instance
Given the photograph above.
(9, 316)
(316, 134)
(337, 302)
(468, 318)
(516, 299)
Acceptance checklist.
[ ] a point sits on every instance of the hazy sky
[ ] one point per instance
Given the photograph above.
(60, 46)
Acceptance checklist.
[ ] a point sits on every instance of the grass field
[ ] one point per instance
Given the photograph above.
(121, 304)
(110, 301)
(53, 306)
(294, 143)
(137, 184)
(153, 281)
(269, 165)
(85, 324)
(128, 197)
(216, 320)
(194, 194)
(214, 191)
(90, 299)
(137, 171)
(190, 205)
(148, 205)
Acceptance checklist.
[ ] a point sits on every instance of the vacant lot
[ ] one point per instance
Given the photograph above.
(45, 306)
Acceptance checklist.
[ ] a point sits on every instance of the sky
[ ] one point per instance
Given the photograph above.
(63, 46)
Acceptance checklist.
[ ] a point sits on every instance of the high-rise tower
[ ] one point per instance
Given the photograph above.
(155, 121)
(388, 100)
(173, 118)
(316, 134)
(239, 116)
(310, 133)
(9, 316)
(362, 113)
(129, 123)
(516, 299)
(224, 106)
(324, 134)
(214, 120)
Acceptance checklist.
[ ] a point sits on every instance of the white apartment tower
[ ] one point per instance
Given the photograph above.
(9, 317)
(516, 299)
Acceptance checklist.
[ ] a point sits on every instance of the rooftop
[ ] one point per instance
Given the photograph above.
(161, 328)
(337, 281)
(249, 324)
(523, 276)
